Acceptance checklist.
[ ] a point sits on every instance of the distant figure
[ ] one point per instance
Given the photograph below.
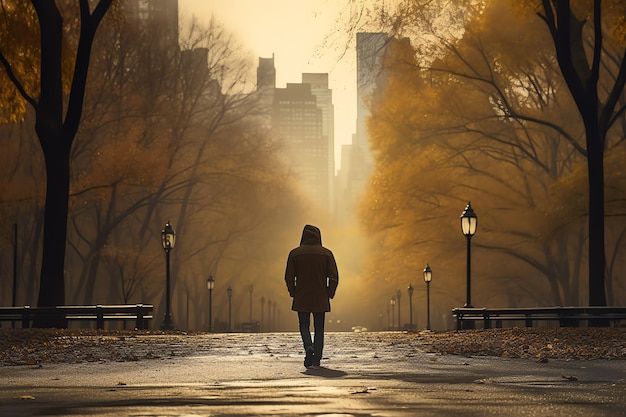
(312, 278)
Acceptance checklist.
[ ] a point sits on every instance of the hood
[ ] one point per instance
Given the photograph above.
(311, 235)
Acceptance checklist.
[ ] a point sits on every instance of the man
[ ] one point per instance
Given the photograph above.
(312, 278)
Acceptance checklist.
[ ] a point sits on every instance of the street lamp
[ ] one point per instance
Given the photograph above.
(229, 292)
(168, 240)
(262, 307)
(398, 295)
(428, 276)
(469, 222)
(410, 291)
(393, 312)
(250, 289)
(388, 318)
(210, 283)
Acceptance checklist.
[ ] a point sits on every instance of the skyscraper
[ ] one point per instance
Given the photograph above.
(148, 15)
(357, 162)
(302, 119)
(297, 121)
(324, 97)
(370, 50)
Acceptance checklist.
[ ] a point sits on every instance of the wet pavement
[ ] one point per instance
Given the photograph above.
(363, 374)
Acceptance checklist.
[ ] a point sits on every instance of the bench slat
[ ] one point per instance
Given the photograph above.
(567, 316)
(141, 313)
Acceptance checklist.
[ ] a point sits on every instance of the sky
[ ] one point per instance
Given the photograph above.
(297, 32)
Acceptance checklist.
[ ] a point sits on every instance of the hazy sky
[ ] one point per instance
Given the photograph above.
(295, 31)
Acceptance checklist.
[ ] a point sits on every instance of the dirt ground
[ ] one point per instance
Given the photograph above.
(39, 346)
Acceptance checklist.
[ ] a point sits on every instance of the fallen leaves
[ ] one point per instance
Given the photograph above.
(538, 343)
(37, 347)
(40, 346)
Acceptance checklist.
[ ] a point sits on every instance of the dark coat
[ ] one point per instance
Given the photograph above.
(311, 274)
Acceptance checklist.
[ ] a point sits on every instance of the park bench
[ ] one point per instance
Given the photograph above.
(139, 313)
(565, 316)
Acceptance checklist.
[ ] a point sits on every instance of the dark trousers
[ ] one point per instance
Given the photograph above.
(305, 332)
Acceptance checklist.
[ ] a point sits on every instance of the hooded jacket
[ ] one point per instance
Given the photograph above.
(311, 274)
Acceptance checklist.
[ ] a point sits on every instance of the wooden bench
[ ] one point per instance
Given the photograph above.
(565, 316)
(140, 313)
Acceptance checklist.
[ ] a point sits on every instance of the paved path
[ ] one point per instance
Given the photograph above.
(367, 374)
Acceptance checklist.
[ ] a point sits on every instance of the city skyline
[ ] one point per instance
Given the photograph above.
(316, 45)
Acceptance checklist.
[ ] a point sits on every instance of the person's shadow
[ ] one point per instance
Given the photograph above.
(325, 372)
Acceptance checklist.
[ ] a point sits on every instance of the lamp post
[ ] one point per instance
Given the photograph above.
(229, 292)
(250, 289)
(393, 311)
(469, 222)
(410, 291)
(168, 240)
(398, 295)
(428, 276)
(388, 318)
(210, 283)
(262, 307)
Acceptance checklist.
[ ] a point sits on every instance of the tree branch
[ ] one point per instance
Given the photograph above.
(16, 82)
(89, 25)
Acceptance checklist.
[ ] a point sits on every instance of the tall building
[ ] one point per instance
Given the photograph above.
(148, 15)
(266, 74)
(324, 98)
(297, 121)
(302, 119)
(357, 165)
(265, 86)
(370, 51)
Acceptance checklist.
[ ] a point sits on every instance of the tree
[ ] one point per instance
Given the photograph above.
(580, 39)
(166, 135)
(55, 129)
(525, 93)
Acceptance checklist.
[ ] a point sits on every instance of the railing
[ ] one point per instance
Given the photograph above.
(565, 316)
(140, 313)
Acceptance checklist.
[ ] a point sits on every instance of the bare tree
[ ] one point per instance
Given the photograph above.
(571, 33)
(56, 125)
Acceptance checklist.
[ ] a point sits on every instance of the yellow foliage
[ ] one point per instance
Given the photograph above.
(477, 125)
(20, 47)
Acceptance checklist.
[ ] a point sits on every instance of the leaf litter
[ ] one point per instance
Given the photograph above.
(39, 346)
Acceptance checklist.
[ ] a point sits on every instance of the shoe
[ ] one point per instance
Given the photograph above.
(308, 359)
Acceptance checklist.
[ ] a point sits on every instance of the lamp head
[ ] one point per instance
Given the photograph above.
(210, 282)
(168, 237)
(469, 221)
(428, 273)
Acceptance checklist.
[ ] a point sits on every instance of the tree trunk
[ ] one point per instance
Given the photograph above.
(56, 136)
(49, 127)
(595, 168)
(582, 80)
(52, 283)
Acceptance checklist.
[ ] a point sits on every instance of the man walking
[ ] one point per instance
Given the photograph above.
(312, 278)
